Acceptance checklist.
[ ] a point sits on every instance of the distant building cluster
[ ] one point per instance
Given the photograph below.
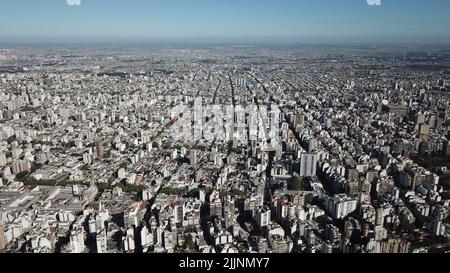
(150, 151)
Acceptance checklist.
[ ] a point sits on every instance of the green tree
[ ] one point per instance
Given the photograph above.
(296, 184)
(123, 165)
(309, 198)
(190, 244)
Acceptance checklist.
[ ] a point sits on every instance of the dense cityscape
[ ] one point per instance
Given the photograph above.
(224, 149)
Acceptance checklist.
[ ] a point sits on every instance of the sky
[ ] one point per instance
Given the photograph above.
(253, 20)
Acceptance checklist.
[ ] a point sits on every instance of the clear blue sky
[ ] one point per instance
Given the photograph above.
(329, 20)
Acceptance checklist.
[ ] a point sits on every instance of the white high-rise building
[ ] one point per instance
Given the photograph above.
(263, 216)
(147, 195)
(193, 157)
(146, 238)
(2, 159)
(308, 164)
(102, 242)
(340, 205)
(178, 212)
(128, 241)
(77, 240)
(158, 235)
(92, 225)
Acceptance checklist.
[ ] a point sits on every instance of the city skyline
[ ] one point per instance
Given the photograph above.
(224, 127)
(324, 21)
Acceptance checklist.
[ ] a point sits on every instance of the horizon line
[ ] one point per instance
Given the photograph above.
(176, 41)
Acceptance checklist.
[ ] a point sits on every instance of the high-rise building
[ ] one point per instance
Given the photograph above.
(397, 110)
(128, 241)
(99, 148)
(308, 164)
(446, 149)
(102, 241)
(326, 247)
(178, 212)
(193, 157)
(301, 119)
(310, 237)
(20, 166)
(340, 205)
(394, 246)
(352, 174)
(41, 158)
(263, 216)
(7, 115)
(146, 237)
(282, 208)
(2, 159)
(420, 119)
(437, 227)
(77, 240)
(2, 237)
(352, 188)
(424, 132)
(87, 159)
(311, 145)
(379, 217)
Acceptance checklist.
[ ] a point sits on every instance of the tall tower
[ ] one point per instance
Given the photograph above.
(308, 164)
(2, 237)
(2, 159)
(193, 157)
(99, 148)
